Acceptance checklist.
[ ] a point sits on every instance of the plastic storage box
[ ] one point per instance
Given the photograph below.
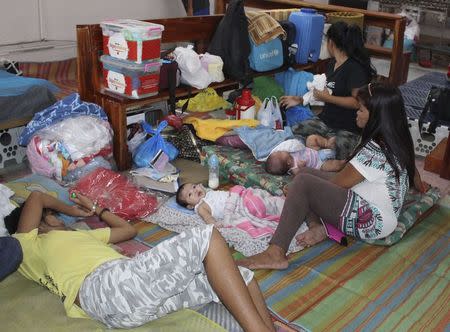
(132, 40)
(132, 80)
(309, 25)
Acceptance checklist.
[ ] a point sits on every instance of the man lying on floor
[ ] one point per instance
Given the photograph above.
(188, 270)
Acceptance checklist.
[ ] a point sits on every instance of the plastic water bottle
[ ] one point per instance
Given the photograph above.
(213, 180)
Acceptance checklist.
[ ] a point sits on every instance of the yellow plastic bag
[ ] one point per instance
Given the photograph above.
(205, 101)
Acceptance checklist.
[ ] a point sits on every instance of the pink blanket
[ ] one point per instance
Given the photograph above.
(255, 211)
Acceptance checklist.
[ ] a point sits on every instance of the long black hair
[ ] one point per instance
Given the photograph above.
(387, 126)
(349, 39)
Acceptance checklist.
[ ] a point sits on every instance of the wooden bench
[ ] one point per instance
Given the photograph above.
(198, 30)
(396, 23)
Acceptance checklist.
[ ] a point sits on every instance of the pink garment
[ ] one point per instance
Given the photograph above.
(308, 155)
(252, 210)
(39, 163)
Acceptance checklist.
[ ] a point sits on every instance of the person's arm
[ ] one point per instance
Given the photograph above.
(347, 177)
(121, 230)
(31, 215)
(204, 211)
(349, 102)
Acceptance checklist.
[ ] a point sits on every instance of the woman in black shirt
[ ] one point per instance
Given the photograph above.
(349, 69)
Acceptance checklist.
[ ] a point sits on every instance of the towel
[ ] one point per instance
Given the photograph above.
(212, 129)
(6, 207)
(262, 27)
(319, 82)
(262, 140)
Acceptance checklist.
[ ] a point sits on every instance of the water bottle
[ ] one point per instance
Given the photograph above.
(213, 180)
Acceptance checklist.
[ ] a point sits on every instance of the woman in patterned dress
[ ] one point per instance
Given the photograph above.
(364, 199)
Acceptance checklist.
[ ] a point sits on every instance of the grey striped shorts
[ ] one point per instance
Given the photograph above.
(126, 293)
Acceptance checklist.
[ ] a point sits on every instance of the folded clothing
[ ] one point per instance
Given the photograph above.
(319, 83)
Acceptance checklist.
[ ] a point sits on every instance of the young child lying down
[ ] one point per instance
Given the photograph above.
(252, 210)
(317, 152)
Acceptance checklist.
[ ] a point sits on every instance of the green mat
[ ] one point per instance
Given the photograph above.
(26, 306)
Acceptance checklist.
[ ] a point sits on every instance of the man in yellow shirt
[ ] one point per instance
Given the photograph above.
(95, 281)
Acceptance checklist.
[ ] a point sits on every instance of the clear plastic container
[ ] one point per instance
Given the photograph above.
(131, 79)
(132, 40)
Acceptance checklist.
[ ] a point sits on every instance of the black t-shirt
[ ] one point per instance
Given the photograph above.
(348, 76)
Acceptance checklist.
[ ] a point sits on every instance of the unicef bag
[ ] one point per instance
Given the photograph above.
(147, 151)
(266, 56)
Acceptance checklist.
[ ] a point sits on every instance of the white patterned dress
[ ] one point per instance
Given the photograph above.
(374, 204)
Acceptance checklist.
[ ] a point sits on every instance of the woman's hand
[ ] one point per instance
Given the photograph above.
(290, 101)
(321, 95)
(84, 205)
(78, 211)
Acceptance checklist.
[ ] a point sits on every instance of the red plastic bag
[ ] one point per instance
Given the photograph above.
(115, 192)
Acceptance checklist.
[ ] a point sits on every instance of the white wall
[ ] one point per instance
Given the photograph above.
(61, 16)
(19, 21)
(33, 20)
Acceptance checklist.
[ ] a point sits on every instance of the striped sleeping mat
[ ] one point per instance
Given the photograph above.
(329, 287)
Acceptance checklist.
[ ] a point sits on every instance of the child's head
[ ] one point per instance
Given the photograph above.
(383, 118)
(190, 194)
(279, 163)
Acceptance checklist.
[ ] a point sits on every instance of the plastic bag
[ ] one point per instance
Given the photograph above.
(205, 101)
(79, 172)
(214, 65)
(81, 136)
(269, 114)
(192, 72)
(144, 153)
(298, 114)
(115, 192)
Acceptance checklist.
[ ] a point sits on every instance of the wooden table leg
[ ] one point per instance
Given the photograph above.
(445, 169)
(118, 120)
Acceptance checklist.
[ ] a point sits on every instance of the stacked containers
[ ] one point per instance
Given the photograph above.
(131, 60)
(309, 27)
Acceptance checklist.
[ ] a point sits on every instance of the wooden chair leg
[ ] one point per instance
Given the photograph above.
(118, 120)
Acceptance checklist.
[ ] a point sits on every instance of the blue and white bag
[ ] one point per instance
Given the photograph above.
(266, 56)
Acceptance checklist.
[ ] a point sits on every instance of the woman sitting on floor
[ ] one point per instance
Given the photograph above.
(349, 69)
(185, 271)
(364, 199)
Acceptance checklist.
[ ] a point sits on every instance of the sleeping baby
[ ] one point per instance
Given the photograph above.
(317, 152)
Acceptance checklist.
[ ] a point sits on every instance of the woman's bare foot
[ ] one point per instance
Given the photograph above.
(274, 258)
(315, 234)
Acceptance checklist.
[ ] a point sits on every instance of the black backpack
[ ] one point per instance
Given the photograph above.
(289, 46)
(231, 42)
(438, 105)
